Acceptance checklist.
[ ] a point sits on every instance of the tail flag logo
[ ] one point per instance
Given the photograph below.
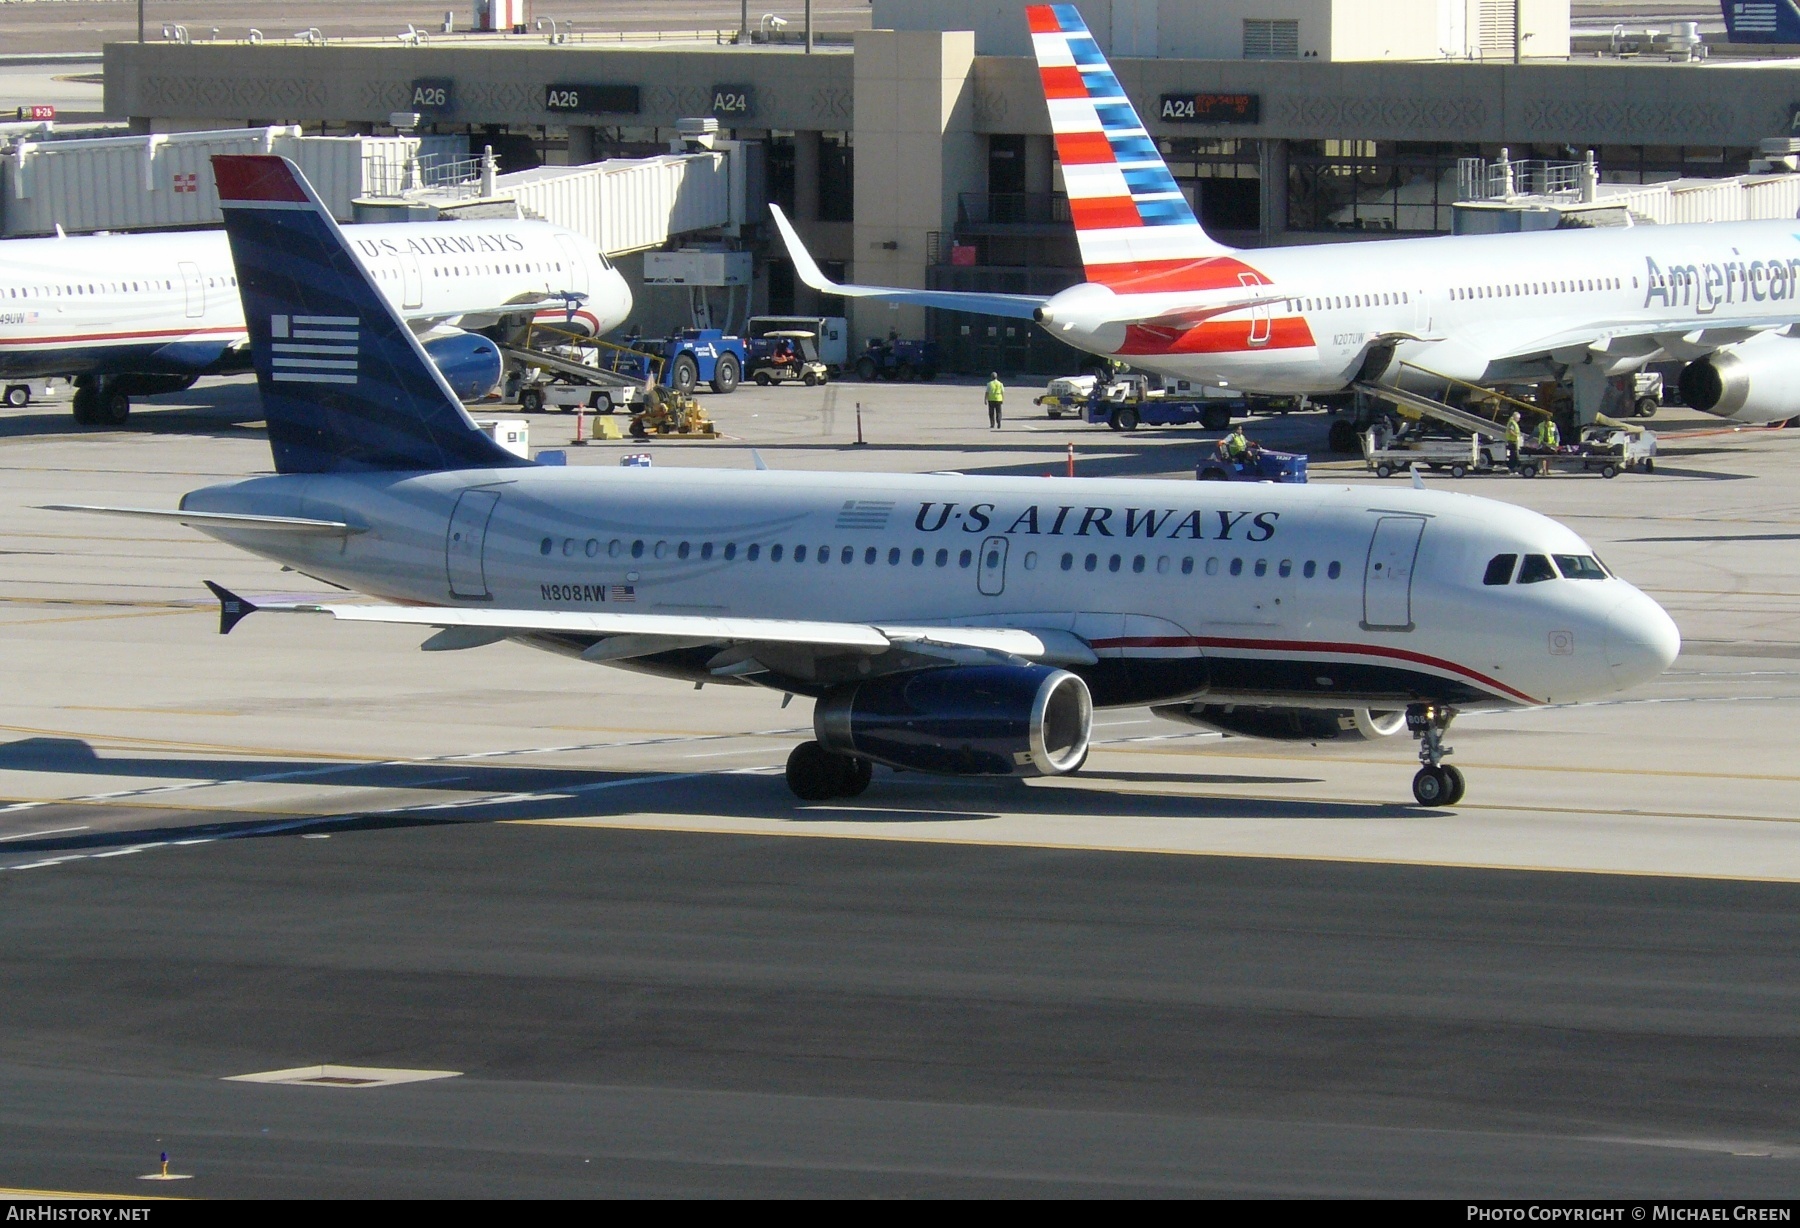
(313, 349)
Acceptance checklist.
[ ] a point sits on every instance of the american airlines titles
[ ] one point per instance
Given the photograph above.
(1707, 287)
(442, 245)
(1068, 520)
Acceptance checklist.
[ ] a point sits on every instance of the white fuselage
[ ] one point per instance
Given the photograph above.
(168, 303)
(1310, 595)
(1457, 305)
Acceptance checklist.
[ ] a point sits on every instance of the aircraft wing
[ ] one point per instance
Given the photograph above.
(1014, 306)
(216, 520)
(638, 635)
(1633, 340)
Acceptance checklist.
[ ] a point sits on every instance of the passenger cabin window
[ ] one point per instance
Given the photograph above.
(1535, 567)
(1580, 567)
(1500, 569)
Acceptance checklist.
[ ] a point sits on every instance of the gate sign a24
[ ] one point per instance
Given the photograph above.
(1210, 109)
(733, 101)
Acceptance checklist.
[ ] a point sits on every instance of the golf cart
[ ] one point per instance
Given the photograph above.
(789, 354)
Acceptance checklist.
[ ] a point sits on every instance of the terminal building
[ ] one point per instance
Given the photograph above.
(918, 152)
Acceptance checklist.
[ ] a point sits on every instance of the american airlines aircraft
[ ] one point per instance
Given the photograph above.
(141, 314)
(962, 625)
(1578, 306)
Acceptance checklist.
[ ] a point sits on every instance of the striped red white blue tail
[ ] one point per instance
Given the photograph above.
(1135, 228)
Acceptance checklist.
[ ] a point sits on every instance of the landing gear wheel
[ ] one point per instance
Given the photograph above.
(1458, 786)
(84, 406)
(1431, 787)
(816, 774)
(114, 406)
(725, 375)
(856, 776)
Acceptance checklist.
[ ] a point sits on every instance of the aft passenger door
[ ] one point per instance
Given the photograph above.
(1388, 573)
(1260, 317)
(193, 287)
(466, 541)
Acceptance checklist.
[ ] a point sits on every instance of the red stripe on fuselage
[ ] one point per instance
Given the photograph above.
(1306, 646)
(152, 335)
(1063, 83)
(1105, 213)
(1084, 148)
(1216, 337)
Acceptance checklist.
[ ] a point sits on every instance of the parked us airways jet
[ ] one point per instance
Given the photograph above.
(1577, 305)
(135, 315)
(961, 625)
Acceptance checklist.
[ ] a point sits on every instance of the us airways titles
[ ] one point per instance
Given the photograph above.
(1707, 287)
(442, 245)
(1071, 520)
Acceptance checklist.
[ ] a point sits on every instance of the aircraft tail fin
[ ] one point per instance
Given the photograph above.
(345, 385)
(1761, 21)
(1135, 228)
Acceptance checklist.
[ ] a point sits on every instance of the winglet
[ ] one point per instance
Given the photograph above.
(233, 609)
(804, 265)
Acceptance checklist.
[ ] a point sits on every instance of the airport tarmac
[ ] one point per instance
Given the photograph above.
(1202, 965)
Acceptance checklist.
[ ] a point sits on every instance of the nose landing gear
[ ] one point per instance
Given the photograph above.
(1436, 784)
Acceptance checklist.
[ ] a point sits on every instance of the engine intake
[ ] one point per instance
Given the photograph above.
(985, 720)
(1753, 382)
(1289, 724)
(469, 362)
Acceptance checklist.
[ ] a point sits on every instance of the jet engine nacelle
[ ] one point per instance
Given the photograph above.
(1755, 382)
(1289, 724)
(982, 720)
(470, 363)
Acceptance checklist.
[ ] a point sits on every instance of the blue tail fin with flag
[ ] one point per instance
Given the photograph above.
(1761, 21)
(345, 385)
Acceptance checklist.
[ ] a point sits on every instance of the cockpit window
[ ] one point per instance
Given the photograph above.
(1500, 569)
(1580, 567)
(1535, 567)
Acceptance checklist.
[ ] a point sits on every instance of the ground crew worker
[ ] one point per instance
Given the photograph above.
(1236, 446)
(1549, 438)
(996, 396)
(1515, 435)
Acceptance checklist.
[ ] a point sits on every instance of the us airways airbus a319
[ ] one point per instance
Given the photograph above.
(964, 625)
(1577, 306)
(140, 314)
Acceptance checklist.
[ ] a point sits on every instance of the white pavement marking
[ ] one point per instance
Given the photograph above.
(50, 831)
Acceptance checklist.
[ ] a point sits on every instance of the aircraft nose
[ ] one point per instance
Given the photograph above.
(1641, 640)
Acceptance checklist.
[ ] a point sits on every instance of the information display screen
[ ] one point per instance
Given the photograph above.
(592, 99)
(1211, 109)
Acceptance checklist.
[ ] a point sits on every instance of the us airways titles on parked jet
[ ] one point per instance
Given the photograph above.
(1579, 306)
(954, 624)
(140, 314)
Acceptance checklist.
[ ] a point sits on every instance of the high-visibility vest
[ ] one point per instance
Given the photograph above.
(996, 391)
(1548, 435)
(1514, 435)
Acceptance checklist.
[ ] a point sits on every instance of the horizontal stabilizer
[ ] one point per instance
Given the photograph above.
(1013, 306)
(216, 520)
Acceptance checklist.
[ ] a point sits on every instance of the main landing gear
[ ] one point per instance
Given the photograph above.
(816, 774)
(1436, 783)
